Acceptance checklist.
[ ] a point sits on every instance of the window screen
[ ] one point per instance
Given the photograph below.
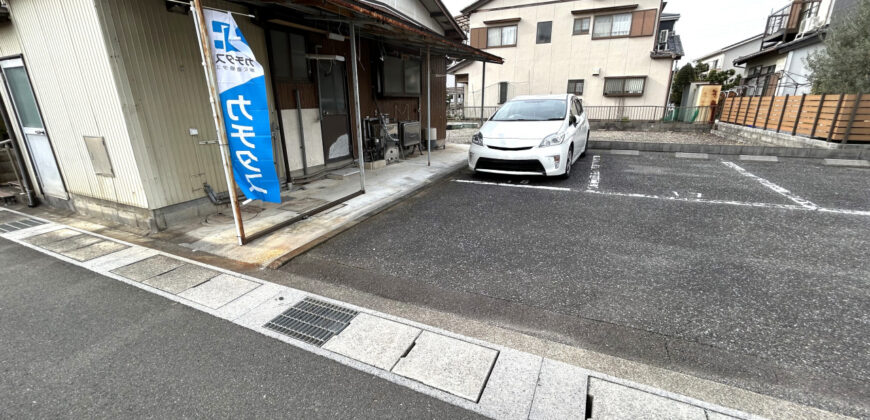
(402, 77)
(501, 36)
(581, 26)
(575, 86)
(412, 76)
(545, 30)
(612, 25)
(624, 86)
(394, 76)
(288, 56)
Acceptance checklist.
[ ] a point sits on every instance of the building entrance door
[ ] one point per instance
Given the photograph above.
(32, 127)
(334, 121)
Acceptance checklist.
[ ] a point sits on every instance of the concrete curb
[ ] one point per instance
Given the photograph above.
(855, 152)
(385, 205)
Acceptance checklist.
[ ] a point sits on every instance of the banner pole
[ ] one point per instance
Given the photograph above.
(217, 113)
(356, 111)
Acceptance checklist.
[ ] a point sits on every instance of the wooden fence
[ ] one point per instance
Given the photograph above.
(842, 118)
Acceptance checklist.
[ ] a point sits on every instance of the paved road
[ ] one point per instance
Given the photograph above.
(78, 345)
(725, 271)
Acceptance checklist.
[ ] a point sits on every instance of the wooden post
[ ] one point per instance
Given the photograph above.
(217, 113)
(730, 107)
(852, 118)
(782, 113)
(797, 118)
(818, 112)
(836, 116)
(757, 108)
(767, 117)
(746, 115)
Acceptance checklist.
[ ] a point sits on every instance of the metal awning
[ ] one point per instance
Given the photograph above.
(373, 20)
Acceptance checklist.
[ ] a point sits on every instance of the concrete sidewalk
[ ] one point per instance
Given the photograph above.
(490, 379)
(384, 187)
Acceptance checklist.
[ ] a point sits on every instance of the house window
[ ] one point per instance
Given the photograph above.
(401, 77)
(575, 86)
(758, 80)
(624, 86)
(663, 36)
(581, 26)
(612, 26)
(288, 54)
(502, 92)
(545, 29)
(501, 36)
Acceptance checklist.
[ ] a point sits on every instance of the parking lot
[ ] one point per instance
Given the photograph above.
(751, 273)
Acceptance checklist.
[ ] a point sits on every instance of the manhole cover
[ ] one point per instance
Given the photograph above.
(312, 321)
(19, 224)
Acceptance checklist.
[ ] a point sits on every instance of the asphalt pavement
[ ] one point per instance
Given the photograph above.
(752, 274)
(79, 345)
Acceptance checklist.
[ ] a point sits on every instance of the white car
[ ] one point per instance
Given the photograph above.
(532, 135)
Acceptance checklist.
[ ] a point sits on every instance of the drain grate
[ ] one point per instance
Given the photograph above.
(19, 224)
(312, 321)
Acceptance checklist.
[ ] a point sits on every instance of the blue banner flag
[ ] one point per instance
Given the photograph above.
(242, 87)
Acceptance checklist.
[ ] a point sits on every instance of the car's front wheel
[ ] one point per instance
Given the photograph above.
(568, 162)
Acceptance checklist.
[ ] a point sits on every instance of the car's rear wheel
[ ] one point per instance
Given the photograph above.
(568, 163)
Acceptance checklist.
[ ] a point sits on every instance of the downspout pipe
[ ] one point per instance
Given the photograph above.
(19, 160)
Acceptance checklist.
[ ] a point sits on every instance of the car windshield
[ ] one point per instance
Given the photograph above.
(531, 110)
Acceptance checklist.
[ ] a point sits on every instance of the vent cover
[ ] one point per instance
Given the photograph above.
(312, 321)
(19, 224)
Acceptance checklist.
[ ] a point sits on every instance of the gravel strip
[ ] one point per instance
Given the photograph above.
(663, 137)
(463, 136)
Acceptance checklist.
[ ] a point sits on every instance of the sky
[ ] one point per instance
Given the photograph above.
(704, 25)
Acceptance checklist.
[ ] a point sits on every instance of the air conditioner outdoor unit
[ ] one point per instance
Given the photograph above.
(810, 24)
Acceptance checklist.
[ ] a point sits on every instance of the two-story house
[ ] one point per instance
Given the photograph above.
(723, 58)
(608, 52)
(790, 35)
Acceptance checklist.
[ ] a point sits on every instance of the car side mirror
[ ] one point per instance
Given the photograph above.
(572, 120)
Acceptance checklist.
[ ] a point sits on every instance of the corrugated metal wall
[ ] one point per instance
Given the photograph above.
(8, 40)
(64, 52)
(158, 68)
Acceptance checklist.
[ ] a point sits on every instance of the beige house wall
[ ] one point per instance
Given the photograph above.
(532, 68)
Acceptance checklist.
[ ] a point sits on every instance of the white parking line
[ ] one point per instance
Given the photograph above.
(505, 184)
(735, 203)
(594, 174)
(776, 188)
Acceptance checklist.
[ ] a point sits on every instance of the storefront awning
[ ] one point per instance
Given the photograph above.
(376, 20)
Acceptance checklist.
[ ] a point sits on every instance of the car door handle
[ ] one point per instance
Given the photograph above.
(40, 132)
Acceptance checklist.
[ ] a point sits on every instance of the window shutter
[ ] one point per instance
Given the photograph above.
(478, 38)
(649, 22)
(643, 22)
(637, 23)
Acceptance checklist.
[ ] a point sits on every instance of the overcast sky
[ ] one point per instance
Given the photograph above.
(704, 25)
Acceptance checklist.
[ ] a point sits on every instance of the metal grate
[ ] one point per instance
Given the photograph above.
(19, 224)
(312, 321)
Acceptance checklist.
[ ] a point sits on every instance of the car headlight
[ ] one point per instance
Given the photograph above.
(553, 140)
(477, 139)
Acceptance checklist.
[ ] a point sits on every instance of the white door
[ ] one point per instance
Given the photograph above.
(27, 113)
